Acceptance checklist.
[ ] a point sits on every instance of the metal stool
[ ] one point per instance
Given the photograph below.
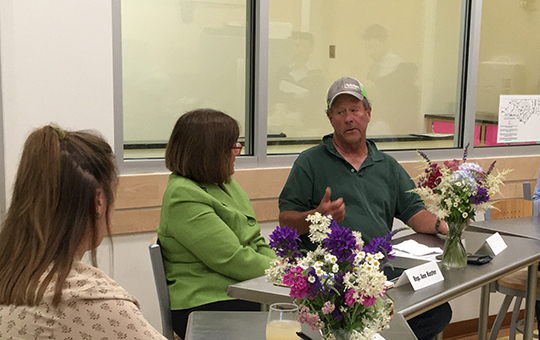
(512, 286)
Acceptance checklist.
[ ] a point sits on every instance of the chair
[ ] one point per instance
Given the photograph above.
(162, 291)
(513, 286)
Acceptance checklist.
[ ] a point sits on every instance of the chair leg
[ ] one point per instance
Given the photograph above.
(515, 315)
(500, 317)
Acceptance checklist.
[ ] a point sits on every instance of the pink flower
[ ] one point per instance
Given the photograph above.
(368, 300)
(299, 283)
(328, 307)
(312, 319)
(349, 297)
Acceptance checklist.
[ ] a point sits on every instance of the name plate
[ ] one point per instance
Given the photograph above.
(496, 243)
(421, 276)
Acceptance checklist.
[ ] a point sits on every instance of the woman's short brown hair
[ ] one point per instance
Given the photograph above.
(200, 146)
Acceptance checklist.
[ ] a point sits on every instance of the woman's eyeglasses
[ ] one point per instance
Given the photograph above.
(237, 148)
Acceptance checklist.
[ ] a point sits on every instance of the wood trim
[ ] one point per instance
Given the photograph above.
(139, 196)
(460, 329)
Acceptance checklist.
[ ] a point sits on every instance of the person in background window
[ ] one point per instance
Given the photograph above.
(392, 83)
(347, 170)
(294, 88)
(536, 197)
(208, 232)
(60, 208)
(536, 193)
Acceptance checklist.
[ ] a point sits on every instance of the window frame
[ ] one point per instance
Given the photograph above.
(3, 207)
(257, 99)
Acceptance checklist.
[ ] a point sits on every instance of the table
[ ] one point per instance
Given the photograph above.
(205, 325)
(524, 226)
(457, 281)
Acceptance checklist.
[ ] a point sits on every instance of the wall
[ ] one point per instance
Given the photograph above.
(57, 67)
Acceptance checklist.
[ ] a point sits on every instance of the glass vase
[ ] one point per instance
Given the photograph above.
(341, 334)
(454, 254)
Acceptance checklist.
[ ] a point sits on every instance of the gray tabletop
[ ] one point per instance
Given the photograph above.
(524, 226)
(205, 325)
(520, 253)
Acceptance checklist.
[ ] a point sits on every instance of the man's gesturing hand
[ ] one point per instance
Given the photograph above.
(328, 207)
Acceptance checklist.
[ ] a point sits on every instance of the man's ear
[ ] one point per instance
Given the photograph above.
(100, 202)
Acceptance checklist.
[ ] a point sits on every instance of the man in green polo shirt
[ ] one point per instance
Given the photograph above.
(364, 189)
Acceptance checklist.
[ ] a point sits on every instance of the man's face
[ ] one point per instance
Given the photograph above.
(349, 119)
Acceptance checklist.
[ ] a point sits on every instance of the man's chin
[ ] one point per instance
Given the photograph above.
(352, 137)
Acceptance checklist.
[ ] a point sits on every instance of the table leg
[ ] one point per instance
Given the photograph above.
(531, 301)
(484, 313)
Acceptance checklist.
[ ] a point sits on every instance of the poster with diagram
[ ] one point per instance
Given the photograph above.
(519, 119)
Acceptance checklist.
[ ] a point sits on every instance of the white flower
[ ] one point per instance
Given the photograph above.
(359, 241)
(335, 268)
(311, 279)
(464, 215)
(319, 271)
(329, 258)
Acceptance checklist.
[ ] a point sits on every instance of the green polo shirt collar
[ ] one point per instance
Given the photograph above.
(374, 155)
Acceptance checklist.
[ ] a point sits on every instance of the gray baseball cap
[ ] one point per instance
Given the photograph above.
(345, 85)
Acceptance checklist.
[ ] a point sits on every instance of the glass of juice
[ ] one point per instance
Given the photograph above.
(282, 323)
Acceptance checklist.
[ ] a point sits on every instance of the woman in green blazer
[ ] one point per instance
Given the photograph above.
(208, 231)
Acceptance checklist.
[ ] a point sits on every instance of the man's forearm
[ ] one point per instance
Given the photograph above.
(424, 222)
(295, 219)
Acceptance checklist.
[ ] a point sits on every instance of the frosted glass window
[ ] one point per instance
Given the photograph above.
(407, 54)
(179, 55)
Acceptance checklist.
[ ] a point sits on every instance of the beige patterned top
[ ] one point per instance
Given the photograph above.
(93, 307)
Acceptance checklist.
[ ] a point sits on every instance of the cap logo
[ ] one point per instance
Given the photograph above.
(353, 86)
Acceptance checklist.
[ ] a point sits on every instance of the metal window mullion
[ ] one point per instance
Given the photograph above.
(118, 98)
(470, 74)
(3, 197)
(260, 90)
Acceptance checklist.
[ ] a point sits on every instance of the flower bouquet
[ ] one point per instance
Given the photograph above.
(455, 192)
(339, 286)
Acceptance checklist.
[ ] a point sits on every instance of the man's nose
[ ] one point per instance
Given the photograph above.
(349, 114)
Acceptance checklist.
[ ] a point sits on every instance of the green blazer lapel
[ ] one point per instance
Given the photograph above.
(233, 196)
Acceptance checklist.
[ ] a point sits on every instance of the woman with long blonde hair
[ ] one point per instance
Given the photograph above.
(60, 208)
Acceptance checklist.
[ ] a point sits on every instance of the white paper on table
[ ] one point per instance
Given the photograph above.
(414, 248)
(429, 257)
(377, 336)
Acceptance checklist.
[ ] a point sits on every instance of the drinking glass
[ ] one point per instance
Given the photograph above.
(282, 323)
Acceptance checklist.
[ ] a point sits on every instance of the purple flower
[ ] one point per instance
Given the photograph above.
(340, 243)
(336, 315)
(380, 244)
(482, 196)
(316, 287)
(284, 240)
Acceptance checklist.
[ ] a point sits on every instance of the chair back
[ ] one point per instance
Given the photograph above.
(160, 279)
(527, 190)
(511, 208)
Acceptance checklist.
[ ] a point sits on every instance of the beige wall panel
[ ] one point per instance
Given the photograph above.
(266, 210)
(262, 183)
(139, 191)
(139, 196)
(135, 221)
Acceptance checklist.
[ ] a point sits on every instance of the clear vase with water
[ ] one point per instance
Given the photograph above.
(454, 254)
